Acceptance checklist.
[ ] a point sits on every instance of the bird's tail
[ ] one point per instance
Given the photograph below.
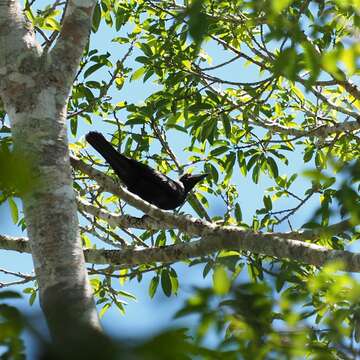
(117, 161)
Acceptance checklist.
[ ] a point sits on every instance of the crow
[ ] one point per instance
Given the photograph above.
(142, 180)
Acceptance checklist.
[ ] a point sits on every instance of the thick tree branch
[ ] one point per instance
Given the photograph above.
(213, 237)
(222, 239)
(73, 37)
(17, 38)
(148, 223)
(35, 89)
(166, 219)
(19, 56)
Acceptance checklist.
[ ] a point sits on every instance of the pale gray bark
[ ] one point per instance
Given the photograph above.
(146, 222)
(321, 131)
(217, 238)
(35, 93)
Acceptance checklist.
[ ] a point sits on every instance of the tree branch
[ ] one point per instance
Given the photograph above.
(122, 221)
(24, 278)
(321, 131)
(161, 219)
(213, 237)
(221, 239)
(17, 38)
(68, 49)
(148, 223)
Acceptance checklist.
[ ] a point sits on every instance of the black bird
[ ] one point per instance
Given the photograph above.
(142, 180)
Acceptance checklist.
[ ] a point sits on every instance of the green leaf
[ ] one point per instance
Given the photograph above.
(229, 162)
(272, 166)
(242, 162)
(227, 126)
(174, 281)
(104, 309)
(166, 282)
(148, 74)
(287, 63)
(210, 168)
(153, 286)
(198, 21)
(208, 130)
(328, 182)
(219, 150)
(32, 298)
(96, 18)
(91, 69)
(73, 125)
(143, 59)
(146, 49)
(279, 283)
(127, 295)
(238, 213)
(320, 159)
(120, 306)
(13, 210)
(308, 154)
(252, 161)
(267, 202)
(279, 5)
(121, 40)
(256, 173)
(9, 295)
(207, 269)
(121, 18)
(123, 278)
(221, 281)
(187, 64)
(312, 60)
(138, 73)
(194, 204)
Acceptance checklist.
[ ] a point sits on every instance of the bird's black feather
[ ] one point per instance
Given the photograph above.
(142, 180)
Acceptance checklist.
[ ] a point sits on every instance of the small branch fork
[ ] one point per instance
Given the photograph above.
(24, 278)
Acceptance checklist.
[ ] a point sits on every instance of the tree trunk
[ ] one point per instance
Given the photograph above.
(51, 214)
(34, 86)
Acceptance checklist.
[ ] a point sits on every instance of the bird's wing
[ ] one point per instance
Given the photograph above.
(146, 175)
(139, 178)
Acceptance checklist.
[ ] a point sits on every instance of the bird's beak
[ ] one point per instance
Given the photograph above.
(197, 178)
